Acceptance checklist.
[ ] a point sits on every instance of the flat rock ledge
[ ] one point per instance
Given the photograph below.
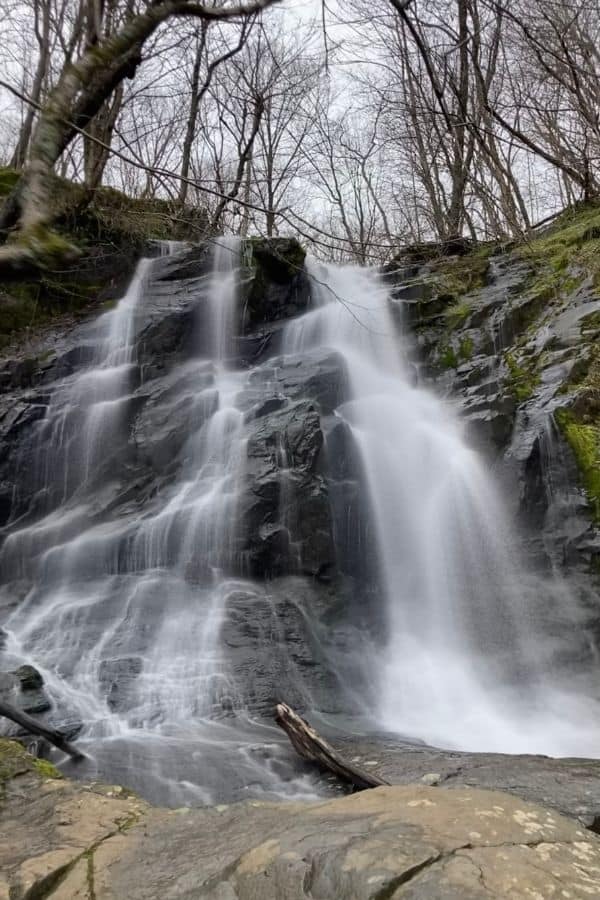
(64, 840)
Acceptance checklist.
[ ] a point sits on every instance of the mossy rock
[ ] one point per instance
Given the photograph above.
(426, 251)
(280, 259)
(448, 357)
(102, 242)
(570, 245)
(278, 287)
(8, 179)
(584, 440)
(521, 380)
(15, 761)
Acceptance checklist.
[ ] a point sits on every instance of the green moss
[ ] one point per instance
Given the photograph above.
(90, 875)
(448, 358)
(45, 768)
(584, 383)
(572, 228)
(571, 243)
(584, 441)
(459, 275)
(14, 759)
(465, 349)
(578, 374)
(521, 381)
(457, 313)
(100, 240)
(48, 248)
(590, 323)
(8, 179)
(35, 304)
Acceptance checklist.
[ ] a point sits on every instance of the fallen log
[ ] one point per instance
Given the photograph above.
(34, 727)
(312, 747)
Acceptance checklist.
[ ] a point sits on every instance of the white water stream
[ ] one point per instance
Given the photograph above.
(465, 662)
(469, 661)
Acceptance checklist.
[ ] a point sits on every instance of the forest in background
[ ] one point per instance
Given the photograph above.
(357, 126)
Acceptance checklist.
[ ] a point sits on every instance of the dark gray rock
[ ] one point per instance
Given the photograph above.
(24, 689)
(117, 679)
(29, 677)
(172, 408)
(276, 285)
(570, 786)
(285, 493)
(319, 376)
(281, 644)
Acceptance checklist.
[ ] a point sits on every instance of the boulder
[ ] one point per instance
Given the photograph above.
(117, 678)
(276, 285)
(24, 688)
(30, 678)
(413, 841)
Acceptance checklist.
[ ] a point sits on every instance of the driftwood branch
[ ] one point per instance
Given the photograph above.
(34, 727)
(312, 747)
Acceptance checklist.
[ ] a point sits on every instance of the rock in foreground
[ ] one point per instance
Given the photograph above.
(63, 841)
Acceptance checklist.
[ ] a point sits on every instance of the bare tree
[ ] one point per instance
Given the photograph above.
(81, 90)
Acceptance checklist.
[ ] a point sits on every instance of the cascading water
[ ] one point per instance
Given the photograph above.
(139, 602)
(131, 615)
(469, 658)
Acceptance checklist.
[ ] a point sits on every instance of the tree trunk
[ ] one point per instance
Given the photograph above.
(81, 90)
(312, 747)
(41, 71)
(101, 127)
(190, 130)
(245, 156)
(32, 726)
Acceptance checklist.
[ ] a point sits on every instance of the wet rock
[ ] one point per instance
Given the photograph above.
(276, 286)
(570, 786)
(24, 689)
(187, 263)
(319, 376)
(172, 410)
(30, 678)
(171, 335)
(490, 419)
(295, 666)
(117, 679)
(510, 353)
(301, 640)
(285, 493)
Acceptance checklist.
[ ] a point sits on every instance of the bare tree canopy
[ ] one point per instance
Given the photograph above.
(367, 126)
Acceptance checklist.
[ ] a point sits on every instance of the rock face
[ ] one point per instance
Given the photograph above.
(570, 786)
(67, 841)
(277, 287)
(511, 337)
(24, 688)
(301, 605)
(102, 511)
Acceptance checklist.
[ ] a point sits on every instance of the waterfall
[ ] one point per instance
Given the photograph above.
(149, 622)
(469, 655)
(138, 603)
